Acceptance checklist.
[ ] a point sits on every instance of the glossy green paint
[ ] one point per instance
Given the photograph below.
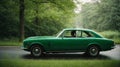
(60, 43)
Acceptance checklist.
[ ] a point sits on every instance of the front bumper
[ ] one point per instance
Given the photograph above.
(23, 48)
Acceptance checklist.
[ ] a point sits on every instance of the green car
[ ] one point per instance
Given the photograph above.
(68, 40)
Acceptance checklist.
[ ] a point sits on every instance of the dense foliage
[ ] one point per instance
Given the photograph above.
(8, 18)
(47, 17)
(102, 15)
(42, 17)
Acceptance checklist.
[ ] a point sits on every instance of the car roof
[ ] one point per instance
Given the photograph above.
(78, 29)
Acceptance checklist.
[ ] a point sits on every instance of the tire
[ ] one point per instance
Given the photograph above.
(93, 51)
(36, 51)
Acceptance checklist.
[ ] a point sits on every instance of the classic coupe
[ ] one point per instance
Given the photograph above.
(68, 40)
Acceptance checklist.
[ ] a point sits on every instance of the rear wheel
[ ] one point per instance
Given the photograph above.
(36, 51)
(93, 51)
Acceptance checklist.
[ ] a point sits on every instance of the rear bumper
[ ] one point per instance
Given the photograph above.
(113, 47)
(109, 48)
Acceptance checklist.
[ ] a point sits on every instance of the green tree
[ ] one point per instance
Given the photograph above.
(47, 17)
(9, 18)
(103, 15)
(21, 18)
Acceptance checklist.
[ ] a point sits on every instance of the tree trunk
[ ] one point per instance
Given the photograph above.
(36, 10)
(21, 19)
(36, 17)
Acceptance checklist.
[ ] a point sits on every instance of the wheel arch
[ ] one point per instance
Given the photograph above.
(37, 43)
(94, 44)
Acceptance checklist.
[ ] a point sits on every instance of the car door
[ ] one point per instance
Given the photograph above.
(77, 42)
(68, 41)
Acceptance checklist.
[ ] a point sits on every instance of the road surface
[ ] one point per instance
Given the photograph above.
(15, 52)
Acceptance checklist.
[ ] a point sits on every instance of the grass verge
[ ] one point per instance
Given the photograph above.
(10, 43)
(58, 63)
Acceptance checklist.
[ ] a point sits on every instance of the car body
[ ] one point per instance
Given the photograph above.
(68, 40)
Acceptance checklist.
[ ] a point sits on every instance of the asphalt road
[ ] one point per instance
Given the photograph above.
(15, 52)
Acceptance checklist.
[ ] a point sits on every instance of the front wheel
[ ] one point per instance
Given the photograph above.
(93, 51)
(36, 51)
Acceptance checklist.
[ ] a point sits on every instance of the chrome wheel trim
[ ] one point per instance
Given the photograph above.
(36, 51)
(93, 51)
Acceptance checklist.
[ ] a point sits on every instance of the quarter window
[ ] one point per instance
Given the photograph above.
(87, 34)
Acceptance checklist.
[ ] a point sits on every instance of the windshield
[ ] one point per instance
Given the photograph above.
(56, 34)
(59, 34)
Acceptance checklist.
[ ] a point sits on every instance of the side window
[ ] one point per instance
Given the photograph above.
(92, 35)
(76, 34)
(69, 33)
(84, 34)
(87, 34)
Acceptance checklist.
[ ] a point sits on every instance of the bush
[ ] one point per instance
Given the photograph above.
(114, 35)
